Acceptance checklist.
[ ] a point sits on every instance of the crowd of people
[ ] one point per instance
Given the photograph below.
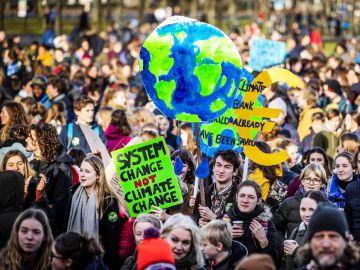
(66, 105)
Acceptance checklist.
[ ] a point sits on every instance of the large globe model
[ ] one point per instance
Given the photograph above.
(191, 70)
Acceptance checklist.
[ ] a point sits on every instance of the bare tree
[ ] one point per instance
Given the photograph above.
(2, 15)
(58, 18)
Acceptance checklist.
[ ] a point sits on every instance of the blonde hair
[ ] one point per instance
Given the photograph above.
(315, 168)
(185, 222)
(350, 142)
(218, 231)
(102, 187)
(143, 116)
(105, 114)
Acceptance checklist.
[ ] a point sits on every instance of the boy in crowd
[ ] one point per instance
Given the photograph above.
(72, 135)
(219, 250)
(317, 122)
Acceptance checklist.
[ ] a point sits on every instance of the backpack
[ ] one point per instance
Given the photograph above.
(70, 133)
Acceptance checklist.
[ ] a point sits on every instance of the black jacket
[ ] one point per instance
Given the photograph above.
(238, 252)
(58, 181)
(208, 191)
(109, 228)
(262, 213)
(11, 202)
(352, 208)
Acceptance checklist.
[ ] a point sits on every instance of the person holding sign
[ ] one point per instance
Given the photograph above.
(220, 195)
(95, 209)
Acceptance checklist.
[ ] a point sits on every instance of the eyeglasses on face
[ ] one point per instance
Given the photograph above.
(52, 256)
(308, 180)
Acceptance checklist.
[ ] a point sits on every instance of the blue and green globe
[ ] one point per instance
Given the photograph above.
(191, 70)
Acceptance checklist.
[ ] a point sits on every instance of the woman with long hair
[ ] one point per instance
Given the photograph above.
(56, 116)
(349, 142)
(12, 113)
(95, 209)
(287, 217)
(252, 222)
(117, 133)
(184, 238)
(30, 243)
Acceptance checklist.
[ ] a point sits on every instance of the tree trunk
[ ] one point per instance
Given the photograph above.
(352, 19)
(120, 16)
(99, 14)
(194, 9)
(219, 14)
(210, 10)
(58, 19)
(141, 9)
(2, 14)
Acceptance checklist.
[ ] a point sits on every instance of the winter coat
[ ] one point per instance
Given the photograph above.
(109, 228)
(261, 213)
(96, 265)
(299, 234)
(352, 208)
(238, 252)
(336, 194)
(78, 140)
(187, 263)
(58, 181)
(305, 121)
(184, 207)
(208, 191)
(328, 141)
(130, 263)
(11, 202)
(115, 139)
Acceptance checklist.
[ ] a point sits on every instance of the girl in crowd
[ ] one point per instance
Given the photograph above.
(141, 223)
(95, 210)
(117, 133)
(54, 163)
(314, 155)
(142, 116)
(56, 116)
(116, 98)
(164, 125)
(256, 231)
(343, 175)
(15, 160)
(349, 142)
(73, 251)
(103, 117)
(12, 113)
(30, 243)
(287, 217)
(184, 238)
(292, 149)
(298, 237)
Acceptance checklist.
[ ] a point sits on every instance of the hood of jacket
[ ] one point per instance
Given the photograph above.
(261, 212)
(11, 192)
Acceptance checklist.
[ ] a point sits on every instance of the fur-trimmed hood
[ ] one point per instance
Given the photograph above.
(261, 212)
(266, 215)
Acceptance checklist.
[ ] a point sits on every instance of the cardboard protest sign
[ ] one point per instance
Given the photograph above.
(190, 69)
(266, 53)
(222, 135)
(248, 117)
(147, 176)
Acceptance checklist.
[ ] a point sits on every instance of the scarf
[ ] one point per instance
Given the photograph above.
(84, 216)
(218, 199)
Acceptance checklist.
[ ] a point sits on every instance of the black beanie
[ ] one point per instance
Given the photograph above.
(327, 218)
(334, 86)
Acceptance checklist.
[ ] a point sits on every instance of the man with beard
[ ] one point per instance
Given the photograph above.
(328, 246)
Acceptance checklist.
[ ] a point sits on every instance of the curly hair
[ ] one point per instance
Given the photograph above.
(17, 115)
(47, 139)
(12, 254)
(19, 133)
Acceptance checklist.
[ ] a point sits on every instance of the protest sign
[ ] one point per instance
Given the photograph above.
(266, 53)
(246, 116)
(147, 176)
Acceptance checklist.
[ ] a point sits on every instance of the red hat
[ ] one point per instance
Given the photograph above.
(154, 250)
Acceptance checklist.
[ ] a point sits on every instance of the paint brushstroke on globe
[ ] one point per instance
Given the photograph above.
(191, 70)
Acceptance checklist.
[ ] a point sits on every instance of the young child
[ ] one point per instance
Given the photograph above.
(219, 250)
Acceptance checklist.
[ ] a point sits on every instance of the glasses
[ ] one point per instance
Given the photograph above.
(312, 181)
(52, 256)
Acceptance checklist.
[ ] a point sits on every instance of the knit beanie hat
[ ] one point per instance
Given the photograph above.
(256, 262)
(328, 218)
(154, 252)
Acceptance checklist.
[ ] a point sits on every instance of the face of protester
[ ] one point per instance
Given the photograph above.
(30, 235)
(86, 114)
(59, 262)
(343, 169)
(358, 162)
(223, 170)
(333, 123)
(37, 91)
(120, 99)
(317, 158)
(4, 116)
(247, 199)
(293, 152)
(307, 209)
(311, 182)
(139, 229)
(15, 163)
(179, 240)
(87, 175)
(209, 250)
(163, 126)
(52, 91)
(327, 248)
(317, 125)
(31, 142)
(59, 56)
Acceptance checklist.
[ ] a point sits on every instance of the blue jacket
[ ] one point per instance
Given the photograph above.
(336, 195)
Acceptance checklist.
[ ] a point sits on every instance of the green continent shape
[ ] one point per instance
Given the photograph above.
(217, 105)
(141, 64)
(159, 48)
(208, 75)
(165, 90)
(188, 117)
(218, 49)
